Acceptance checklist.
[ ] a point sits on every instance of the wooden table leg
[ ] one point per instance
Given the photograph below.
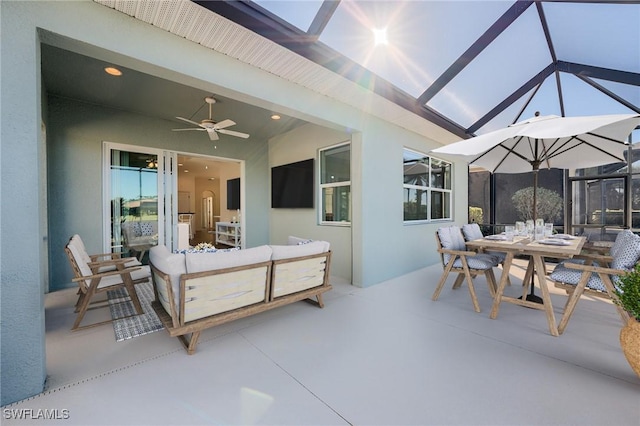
(504, 278)
(546, 296)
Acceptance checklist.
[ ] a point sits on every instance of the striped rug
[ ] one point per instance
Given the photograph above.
(138, 325)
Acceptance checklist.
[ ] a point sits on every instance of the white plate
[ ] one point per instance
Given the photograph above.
(563, 237)
(497, 237)
(556, 242)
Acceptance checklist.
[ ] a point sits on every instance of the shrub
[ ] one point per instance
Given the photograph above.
(549, 204)
(475, 215)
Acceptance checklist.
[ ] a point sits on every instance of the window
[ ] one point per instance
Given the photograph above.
(427, 187)
(335, 184)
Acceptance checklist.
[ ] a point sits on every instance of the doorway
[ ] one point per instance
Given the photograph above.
(203, 181)
(161, 197)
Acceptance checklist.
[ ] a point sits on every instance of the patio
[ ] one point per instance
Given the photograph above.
(380, 355)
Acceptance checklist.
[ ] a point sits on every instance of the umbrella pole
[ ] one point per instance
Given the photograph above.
(532, 297)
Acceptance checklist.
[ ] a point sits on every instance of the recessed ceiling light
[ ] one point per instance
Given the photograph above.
(186, 171)
(113, 71)
(275, 117)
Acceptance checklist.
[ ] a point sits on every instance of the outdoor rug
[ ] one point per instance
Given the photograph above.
(138, 325)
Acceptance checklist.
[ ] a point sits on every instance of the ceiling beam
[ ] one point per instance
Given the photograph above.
(521, 91)
(322, 17)
(609, 93)
(608, 74)
(552, 52)
(475, 49)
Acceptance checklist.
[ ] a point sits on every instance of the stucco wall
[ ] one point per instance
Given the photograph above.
(297, 145)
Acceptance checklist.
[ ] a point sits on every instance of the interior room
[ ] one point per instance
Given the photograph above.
(202, 196)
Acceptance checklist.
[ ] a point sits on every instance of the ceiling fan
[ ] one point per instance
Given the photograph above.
(211, 127)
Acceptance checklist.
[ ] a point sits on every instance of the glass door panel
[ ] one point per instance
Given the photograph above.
(134, 200)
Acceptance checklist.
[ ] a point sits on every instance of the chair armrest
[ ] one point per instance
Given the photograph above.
(95, 257)
(458, 252)
(594, 257)
(106, 274)
(119, 261)
(596, 269)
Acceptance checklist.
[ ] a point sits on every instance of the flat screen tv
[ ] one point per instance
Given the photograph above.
(292, 185)
(233, 194)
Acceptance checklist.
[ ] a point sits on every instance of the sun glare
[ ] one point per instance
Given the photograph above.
(380, 36)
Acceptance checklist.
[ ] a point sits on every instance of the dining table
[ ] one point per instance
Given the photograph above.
(559, 246)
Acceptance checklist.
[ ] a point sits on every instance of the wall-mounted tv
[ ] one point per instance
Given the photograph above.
(292, 185)
(233, 194)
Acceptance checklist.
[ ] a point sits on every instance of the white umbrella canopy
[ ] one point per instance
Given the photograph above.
(548, 142)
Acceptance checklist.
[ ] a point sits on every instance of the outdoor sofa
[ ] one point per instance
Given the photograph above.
(198, 290)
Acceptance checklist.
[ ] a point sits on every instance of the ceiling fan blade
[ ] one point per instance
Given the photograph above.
(191, 128)
(232, 133)
(213, 135)
(189, 121)
(223, 124)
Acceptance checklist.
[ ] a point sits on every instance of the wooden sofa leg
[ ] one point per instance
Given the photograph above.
(190, 343)
(318, 302)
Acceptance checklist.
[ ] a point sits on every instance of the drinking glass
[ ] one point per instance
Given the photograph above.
(548, 230)
(540, 222)
(539, 230)
(509, 231)
(520, 228)
(530, 228)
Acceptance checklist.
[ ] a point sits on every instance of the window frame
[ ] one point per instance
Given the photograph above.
(322, 186)
(428, 188)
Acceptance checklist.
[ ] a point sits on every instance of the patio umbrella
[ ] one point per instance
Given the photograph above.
(548, 142)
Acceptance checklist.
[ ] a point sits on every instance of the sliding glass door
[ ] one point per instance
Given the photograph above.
(139, 187)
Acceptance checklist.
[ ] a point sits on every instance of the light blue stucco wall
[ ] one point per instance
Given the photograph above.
(23, 242)
(382, 246)
(300, 144)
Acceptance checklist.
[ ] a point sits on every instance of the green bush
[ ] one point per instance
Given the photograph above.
(475, 215)
(628, 292)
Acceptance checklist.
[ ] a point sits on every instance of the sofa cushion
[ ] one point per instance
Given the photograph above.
(307, 249)
(199, 262)
(172, 264)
